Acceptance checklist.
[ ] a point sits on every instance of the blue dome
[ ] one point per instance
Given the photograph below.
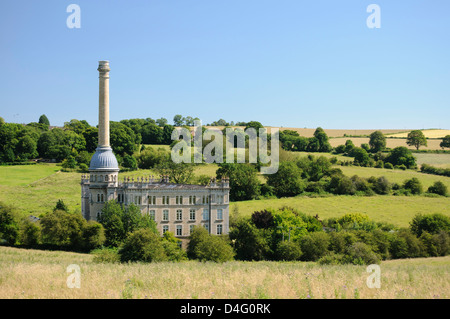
(104, 159)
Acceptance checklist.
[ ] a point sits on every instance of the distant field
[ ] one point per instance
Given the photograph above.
(390, 142)
(427, 133)
(21, 175)
(395, 175)
(28, 273)
(397, 210)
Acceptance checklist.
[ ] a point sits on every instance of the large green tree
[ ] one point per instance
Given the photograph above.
(287, 181)
(445, 142)
(416, 138)
(244, 183)
(377, 141)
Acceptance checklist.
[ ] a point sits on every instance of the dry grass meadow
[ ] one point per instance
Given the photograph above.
(43, 274)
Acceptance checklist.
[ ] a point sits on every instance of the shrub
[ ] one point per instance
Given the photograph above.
(29, 233)
(106, 255)
(438, 188)
(352, 218)
(382, 186)
(9, 228)
(413, 185)
(142, 245)
(263, 219)
(388, 165)
(331, 259)
(360, 254)
(171, 247)
(288, 250)
(314, 246)
(250, 243)
(63, 229)
(405, 244)
(93, 235)
(432, 223)
(214, 248)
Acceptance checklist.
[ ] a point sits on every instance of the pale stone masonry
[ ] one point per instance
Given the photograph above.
(174, 207)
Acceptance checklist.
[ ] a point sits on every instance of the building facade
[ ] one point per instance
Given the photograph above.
(174, 207)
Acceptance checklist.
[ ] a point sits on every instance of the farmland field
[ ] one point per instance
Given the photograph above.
(390, 142)
(28, 273)
(428, 133)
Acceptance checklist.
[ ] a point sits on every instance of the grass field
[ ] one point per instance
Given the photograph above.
(428, 133)
(43, 274)
(396, 210)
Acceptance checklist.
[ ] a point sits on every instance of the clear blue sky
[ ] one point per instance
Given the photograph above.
(288, 63)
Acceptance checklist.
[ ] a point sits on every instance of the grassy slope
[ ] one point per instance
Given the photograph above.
(30, 273)
(397, 210)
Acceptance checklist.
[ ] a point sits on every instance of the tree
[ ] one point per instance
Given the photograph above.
(244, 182)
(401, 156)
(322, 137)
(60, 205)
(445, 142)
(431, 223)
(288, 250)
(178, 120)
(314, 245)
(416, 138)
(44, 120)
(263, 219)
(377, 141)
(361, 156)
(179, 173)
(287, 181)
(142, 245)
(9, 228)
(63, 229)
(250, 243)
(161, 122)
(111, 217)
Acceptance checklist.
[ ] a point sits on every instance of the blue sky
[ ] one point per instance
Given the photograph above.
(283, 63)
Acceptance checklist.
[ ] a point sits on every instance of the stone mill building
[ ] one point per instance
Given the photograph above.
(174, 207)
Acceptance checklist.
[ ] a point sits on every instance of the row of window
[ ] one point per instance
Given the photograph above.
(179, 229)
(179, 214)
(101, 178)
(165, 200)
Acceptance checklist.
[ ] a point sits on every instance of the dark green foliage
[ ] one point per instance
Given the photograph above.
(244, 182)
(314, 246)
(416, 138)
(377, 141)
(287, 181)
(263, 219)
(288, 250)
(250, 243)
(445, 142)
(425, 168)
(438, 188)
(130, 162)
(93, 235)
(401, 156)
(361, 156)
(142, 245)
(432, 223)
(29, 233)
(206, 247)
(9, 227)
(44, 120)
(62, 229)
(414, 186)
(360, 254)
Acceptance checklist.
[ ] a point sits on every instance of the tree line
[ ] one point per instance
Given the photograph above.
(125, 235)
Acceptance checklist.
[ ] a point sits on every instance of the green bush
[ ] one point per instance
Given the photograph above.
(106, 255)
(360, 254)
(142, 245)
(29, 233)
(314, 246)
(214, 248)
(9, 227)
(438, 188)
(431, 223)
(413, 185)
(405, 244)
(388, 165)
(288, 250)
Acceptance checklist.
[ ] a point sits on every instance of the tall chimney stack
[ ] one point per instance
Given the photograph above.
(103, 161)
(103, 104)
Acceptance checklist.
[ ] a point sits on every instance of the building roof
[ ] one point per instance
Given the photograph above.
(104, 160)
